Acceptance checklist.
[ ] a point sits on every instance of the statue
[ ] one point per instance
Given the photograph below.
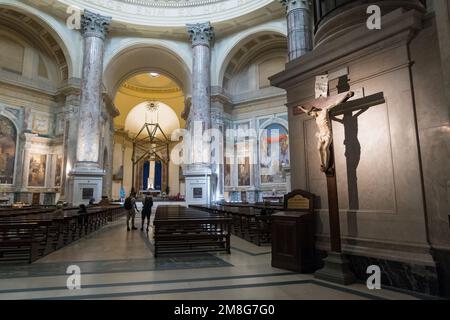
(319, 109)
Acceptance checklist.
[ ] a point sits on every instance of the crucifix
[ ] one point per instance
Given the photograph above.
(322, 109)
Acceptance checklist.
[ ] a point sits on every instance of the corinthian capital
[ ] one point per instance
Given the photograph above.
(200, 33)
(295, 4)
(94, 25)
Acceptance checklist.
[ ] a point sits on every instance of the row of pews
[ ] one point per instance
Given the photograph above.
(252, 222)
(179, 229)
(31, 233)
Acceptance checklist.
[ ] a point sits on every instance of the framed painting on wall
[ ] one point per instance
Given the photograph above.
(274, 153)
(58, 170)
(8, 137)
(37, 170)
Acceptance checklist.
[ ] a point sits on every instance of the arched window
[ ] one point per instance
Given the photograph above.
(8, 138)
(274, 153)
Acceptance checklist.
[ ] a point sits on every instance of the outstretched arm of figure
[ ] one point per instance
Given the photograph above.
(303, 109)
(342, 99)
(308, 112)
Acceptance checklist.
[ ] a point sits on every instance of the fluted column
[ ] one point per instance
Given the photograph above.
(94, 30)
(299, 27)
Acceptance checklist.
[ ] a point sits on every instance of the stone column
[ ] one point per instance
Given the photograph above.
(217, 166)
(198, 172)
(71, 108)
(299, 27)
(87, 173)
(201, 35)
(94, 30)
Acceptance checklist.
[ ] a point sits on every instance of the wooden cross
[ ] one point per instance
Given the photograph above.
(334, 106)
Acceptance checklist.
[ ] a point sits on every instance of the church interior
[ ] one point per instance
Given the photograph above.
(290, 149)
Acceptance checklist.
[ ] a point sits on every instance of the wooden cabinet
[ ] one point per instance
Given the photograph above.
(293, 241)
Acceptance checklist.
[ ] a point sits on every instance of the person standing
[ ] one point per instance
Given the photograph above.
(130, 206)
(146, 212)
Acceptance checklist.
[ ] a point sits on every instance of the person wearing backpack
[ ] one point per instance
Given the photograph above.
(146, 212)
(130, 206)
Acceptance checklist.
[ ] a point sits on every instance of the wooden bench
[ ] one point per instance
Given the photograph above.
(179, 230)
(20, 242)
(251, 222)
(26, 235)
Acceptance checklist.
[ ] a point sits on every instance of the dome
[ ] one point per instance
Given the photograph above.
(173, 13)
(141, 114)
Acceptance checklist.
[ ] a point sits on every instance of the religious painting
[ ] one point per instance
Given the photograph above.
(8, 138)
(274, 153)
(244, 172)
(58, 171)
(228, 146)
(243, 153)
(37, 169)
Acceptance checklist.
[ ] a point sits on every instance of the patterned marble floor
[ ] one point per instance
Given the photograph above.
(116, 264)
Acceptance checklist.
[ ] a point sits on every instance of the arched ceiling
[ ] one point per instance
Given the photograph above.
(250, 48)
(168, 18)
(153, 84)
(141, 59)
(35, 31)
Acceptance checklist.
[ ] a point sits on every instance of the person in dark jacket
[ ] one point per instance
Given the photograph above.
(82, 209)
(147, 211)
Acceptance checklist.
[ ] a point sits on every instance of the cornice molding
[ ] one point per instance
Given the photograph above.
(151, 90)
(171, 3)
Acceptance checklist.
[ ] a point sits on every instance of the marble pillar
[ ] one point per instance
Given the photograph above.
(201, 35)
(87, 175)
(199, 178)
(217, 151)
(71, 108)
(299, 24)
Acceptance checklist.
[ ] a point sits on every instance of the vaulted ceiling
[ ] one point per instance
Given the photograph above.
(168, 18)
(36, 33)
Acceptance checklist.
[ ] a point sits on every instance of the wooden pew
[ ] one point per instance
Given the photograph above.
(179, 230)
(19, 242)
(27, 236)
(251, 222)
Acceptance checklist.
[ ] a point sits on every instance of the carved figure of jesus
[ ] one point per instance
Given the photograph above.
(320, 110)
